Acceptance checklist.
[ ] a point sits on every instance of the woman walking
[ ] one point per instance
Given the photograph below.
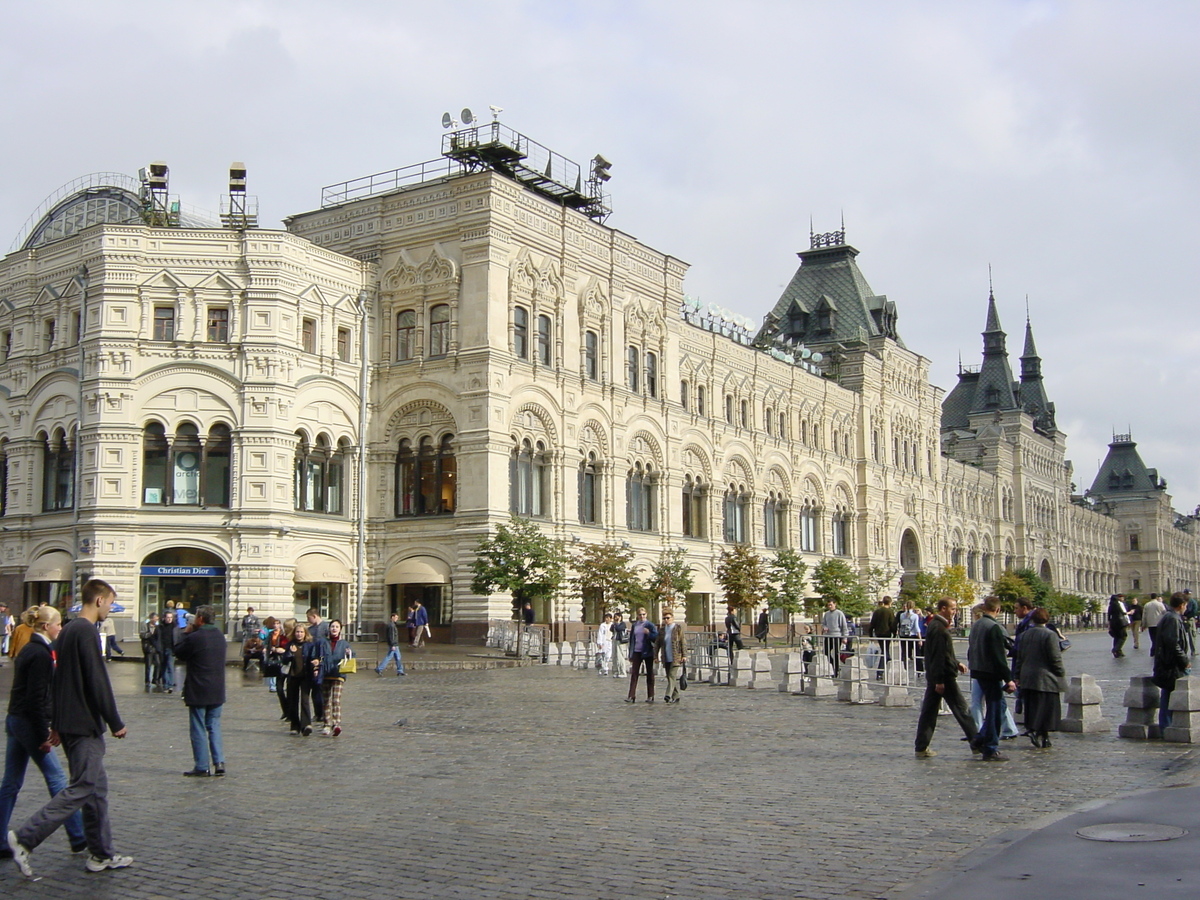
(298, 662)
(327, 658)
(1118, 624)
(1042, 679)
(28, 724)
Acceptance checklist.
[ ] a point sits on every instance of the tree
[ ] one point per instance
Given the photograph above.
(1041, 589)
(953, 582)
(921, 590)
(833, 579)
(606, 573)
(787, 591)
(521, 560)
(670, 578)
(743, 577)
(1010, 588)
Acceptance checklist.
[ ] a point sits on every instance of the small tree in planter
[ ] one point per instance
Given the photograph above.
(670, 578)
(521, 560)
(743, 577)
(606, 572)
(787, 592)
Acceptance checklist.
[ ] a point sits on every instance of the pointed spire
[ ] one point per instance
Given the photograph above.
(1030, 351)
(993, 317)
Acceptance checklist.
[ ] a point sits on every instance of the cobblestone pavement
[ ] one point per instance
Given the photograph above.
(539, 782)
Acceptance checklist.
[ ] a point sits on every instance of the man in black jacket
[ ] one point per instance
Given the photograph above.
(83, 705)
(1172, 659)
(942, 669)
(988, 658)
(202, 647)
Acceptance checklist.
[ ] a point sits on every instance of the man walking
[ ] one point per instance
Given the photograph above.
(942, 669)
(202, 647)
(672, 650)
(836, 629)
(83, 704)
(392, 636)
(988, 658)
(883, 626)
(1152, 614)
(421, 620)
(1172, 656)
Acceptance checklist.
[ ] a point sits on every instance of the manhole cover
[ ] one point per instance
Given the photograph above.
(1131, 831)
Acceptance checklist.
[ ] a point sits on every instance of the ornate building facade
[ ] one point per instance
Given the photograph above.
(336, 414)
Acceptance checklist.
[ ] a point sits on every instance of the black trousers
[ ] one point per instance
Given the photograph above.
(635, 669)
(931, 704)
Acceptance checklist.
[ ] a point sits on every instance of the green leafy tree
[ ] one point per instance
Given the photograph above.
(521, 560)
(952, 581)
(1010, 588)
(605, 572)
(1041, 589)
(743, 577)
(1060, 604)
(833, 579)
(921, 590)
(787, 592)
(877, 581)
(670, 578)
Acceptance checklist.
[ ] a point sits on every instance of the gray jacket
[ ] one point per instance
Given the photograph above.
(1041, 661)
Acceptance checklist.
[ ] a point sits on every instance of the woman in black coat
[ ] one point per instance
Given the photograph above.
(167, 636)
(1041, 678)
(1118, 624)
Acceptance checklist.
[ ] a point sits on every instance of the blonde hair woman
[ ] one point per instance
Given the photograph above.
(28, 723)
(23, 631)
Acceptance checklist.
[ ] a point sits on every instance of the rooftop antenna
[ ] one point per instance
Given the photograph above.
(1026, 309)
(991, 293)
(157, 207)
(496, 110)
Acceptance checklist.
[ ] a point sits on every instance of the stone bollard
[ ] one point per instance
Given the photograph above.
(761, 678)
(852, 683)
(894, 695)
(743, 669)
(818, 680)
(1084, 715)
(582, 657)
(1185, 712)
(896, 672)
(1141, 704)
(566, 654)
(793, 674)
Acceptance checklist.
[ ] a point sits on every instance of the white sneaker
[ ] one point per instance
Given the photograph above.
(326, 731)
(20, 855)
(96, 864)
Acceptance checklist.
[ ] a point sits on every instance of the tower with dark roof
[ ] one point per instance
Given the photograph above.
(1032, 390)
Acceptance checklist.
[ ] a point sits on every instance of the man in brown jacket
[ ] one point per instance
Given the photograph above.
(672, 650)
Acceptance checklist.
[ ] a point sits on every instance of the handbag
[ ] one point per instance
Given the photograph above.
(272, 666)
(683, 680)
(347, 665)
(1064, 644)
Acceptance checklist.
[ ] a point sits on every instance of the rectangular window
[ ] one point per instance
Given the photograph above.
(76, 327)
(840, 533)
(700, 400)
(684, 399)
(439, 330)
(48, 334)
(164, 323)
(343, 344)
(521, 332)
(406, 328)
(652, 374)
(543, 340)
(218, 324)
(1135, 542)
(631, 368)
(6, 340)
(591, 356)
(308, 335)
(808, 531)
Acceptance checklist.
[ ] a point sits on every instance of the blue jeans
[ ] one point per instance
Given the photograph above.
(393, 655)
(1008, 725)
(993, 714)
(23, 747)
(166, 671)
(204, 728)
(1164, 708)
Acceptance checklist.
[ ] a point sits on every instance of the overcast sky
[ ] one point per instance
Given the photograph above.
(1055, 141)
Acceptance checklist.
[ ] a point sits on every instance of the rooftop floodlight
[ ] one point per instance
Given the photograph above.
(158, 173)
(237, 178)
(600, 168)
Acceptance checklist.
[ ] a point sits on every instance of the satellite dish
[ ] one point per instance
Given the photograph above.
(446, 120)
(805, 353)
(817, 357)
(467, 116)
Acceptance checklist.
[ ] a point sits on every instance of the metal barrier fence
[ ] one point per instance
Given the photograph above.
(518, 639)
(707, 658)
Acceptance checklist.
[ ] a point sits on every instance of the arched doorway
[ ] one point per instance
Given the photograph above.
(1044, 572)
(910, 556)
(187, 575)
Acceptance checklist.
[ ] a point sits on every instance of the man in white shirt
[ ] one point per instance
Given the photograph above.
(1152, 614)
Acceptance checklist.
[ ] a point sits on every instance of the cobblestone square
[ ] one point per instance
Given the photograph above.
(540, 782)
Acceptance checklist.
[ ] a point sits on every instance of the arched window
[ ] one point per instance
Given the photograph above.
(591, 356)
(840, 536)
(729, 408)
(631, 368)
(589, 490)
(652, 374)
(640, 484)
(406, 330)
(769, 420)
(810, 532)
(783, 421)
(214, 475)
(699, 399)
(185, 466)
(544, 345)
(685, 399)
(425, 477)
(439, 330)
(520, 337)
(184, 470)
(529, 479)
(58, 473)
(695, 507)
(775, 520)
(745, 414)
(736, 514)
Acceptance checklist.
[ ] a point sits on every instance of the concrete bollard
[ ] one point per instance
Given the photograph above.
(1141, 709)
(852, 683)
(1084, 715)
(761, 678)
(793, 674)
(1185, 712)
(818, 679)
(894, 695)
(743, 669)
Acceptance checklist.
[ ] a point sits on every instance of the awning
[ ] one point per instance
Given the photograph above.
(54, 566)
(702, 583)
(321, 568)
(418, 570)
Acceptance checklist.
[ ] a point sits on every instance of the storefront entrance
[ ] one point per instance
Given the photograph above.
(186, 575)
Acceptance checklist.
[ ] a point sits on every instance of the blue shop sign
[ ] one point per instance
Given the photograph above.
(185, 571)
